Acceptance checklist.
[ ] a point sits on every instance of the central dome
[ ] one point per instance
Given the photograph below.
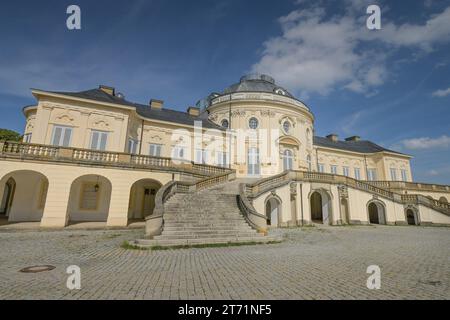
(257, 83)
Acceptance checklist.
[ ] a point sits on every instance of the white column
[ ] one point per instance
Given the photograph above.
(55, 211)
(118, 209)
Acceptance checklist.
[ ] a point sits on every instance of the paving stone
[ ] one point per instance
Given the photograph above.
(312, 263)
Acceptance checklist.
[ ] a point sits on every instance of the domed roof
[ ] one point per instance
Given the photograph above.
(257, 83)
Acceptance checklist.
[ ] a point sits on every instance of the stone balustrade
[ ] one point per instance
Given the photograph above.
(94, 157)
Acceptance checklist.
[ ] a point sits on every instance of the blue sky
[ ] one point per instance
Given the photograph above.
(390, 86)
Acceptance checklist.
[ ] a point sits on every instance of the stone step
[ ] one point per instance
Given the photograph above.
(200, 219)
(208, 228)
(210, 235)
(205, 241)
(196, 233)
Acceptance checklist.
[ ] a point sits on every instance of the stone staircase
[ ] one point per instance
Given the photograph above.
(210, 216)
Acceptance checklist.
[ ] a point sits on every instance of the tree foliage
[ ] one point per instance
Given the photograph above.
(10, 135)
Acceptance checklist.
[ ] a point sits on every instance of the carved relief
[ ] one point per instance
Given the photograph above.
(267, 113)
(238, 113)
(101, 123)
(64, 118)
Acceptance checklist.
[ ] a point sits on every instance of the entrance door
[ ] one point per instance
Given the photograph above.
(253, 162)
(7, 198)
(149, 201)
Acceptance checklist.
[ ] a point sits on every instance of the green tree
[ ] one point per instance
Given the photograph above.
(10, 135)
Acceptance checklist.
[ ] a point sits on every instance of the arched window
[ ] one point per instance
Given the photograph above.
(308, 136)
(225, 123)
(288, 160)
(253, 123)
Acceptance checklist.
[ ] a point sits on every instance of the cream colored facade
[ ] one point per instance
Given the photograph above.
(94, 156)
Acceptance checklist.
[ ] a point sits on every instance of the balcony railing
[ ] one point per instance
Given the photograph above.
(262, 186)
(413, 186)
(75, 155)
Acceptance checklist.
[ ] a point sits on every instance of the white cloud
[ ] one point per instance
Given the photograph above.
(441, 93)
(318, 53)
(427, 143)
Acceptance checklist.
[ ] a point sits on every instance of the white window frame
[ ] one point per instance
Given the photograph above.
(133, 145)
(64, 131)
(321, 168)
(201, 156)
(346, 171)
(155, 149)
(222, 159)
(371, 174)
(179, 153)
(308, 160)
(98, 145)
(393, 172)
(404, 174)
(333, 169)
(357, 173)
(288, 160)
(27, 137)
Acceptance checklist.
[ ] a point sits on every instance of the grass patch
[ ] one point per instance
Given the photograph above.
(129, 246)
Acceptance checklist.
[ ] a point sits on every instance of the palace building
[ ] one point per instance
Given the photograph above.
(95, 156)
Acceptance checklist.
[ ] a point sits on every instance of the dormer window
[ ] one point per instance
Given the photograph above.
(280, 91)
(286, 127)
(253, 123)
(225, 123)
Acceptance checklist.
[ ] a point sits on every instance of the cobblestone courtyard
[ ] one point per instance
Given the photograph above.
(312, 263)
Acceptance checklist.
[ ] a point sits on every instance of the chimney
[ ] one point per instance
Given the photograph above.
(156, 104)
(333, 137)
(193, 111)
(353, 138)
(109, 90)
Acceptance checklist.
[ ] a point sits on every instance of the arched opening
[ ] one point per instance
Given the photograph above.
(320, 203)
(273, 212)
(288, 160)
(89, 199)
(377, 213)
(411, 217)
(443, 199)
(344, 211)
(142, 199)
(23, 195)
(8, 195)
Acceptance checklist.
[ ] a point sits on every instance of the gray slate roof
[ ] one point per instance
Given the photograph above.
(144, 110)
(256, 83)
(361, 146)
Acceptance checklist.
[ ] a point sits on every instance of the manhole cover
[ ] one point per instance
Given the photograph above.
(37, 269)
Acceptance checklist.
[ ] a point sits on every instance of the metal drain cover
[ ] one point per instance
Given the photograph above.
(37, 269)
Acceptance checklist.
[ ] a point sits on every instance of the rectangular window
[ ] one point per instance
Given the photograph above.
(179, 152)
(222, 159)
(404, 175)
(357, 174)
(321, 167)
(333, 169)
(132, 146)
(393, 174)
(372, 174)
(61, 136)
(346, 171)
(155, 150)
(89, 196)
(99, 140)
(201, 156)
(27, 138)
